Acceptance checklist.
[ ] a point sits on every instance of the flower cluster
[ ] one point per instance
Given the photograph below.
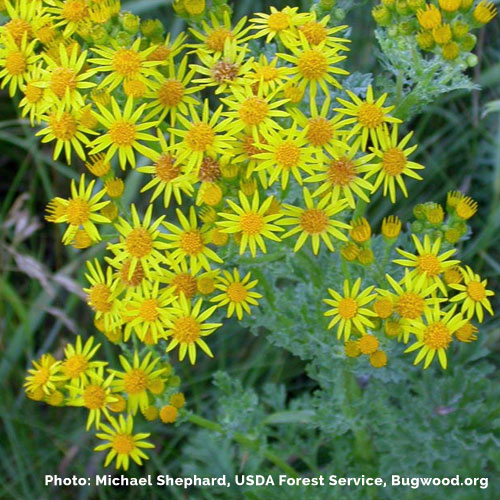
(436, 302)
(237, 149)
(440, 27)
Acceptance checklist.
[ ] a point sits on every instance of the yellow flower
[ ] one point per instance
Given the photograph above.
(190, 242)
(71, 14)
(44, 376)
(77, 364)
(80, 210)
(428, 261)
(123, 132)
(484, 12)
(318, 32)
(180, 278)
(96, 395)
(349, 309)
(341, 175)
(237, 293)
(286, 152)
(125, 64)
(64, 79)
(449, 5)
(315, 221)
(139, 242)
(16, 63)
(33, 102)
(430, 17)
(102, 295)
(24, 16)
(201, 136)
(466, 333)
(135, 379)
(67, 130)
(369, 116)
(473, 295)
(435, 335)
(251, 221)
(266, 75)
(394, 163)
(167, 174)
(313, 67)
(323, 133)
(255, 113)
(368, 344)
(214, 35)
(411, 298)
(360, 230)
(225, 70)
(378, 359)
(171, 93)
(278, 23)
(149, 307)
(391, 227)
(123, 444)
(466, 207)
(187, 327)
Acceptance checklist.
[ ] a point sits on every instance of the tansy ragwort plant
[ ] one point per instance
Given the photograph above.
(242, 151)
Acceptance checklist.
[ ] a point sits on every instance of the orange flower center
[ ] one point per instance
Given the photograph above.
(251, 223)
(171, 92)
(370, 115)
(200, 137)
(394, 161)
(186, 330)
(313, 64)
(313, 221)
(191, 242)
(348, 308)
(253, 111)
(139, 243)
(236, 292)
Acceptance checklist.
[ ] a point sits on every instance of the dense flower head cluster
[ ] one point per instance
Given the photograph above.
(237, 150)
(442, 27)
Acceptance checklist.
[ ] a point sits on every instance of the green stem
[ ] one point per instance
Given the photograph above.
(363, 448)
(245, 441)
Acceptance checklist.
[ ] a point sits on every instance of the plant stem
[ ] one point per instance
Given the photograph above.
(245, 441)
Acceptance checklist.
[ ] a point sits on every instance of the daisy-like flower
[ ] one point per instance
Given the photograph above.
(123, 444)
(124, 130)
(70, 14)
(225, 70)
(96, 395)
(16, 62)
(64, 78)
(286, 152)
(315, 221)
(150, 308)
(255, 113)
(102, 294)
(435, 334)
(278, 23)
(317, 32)
(473, 295)
(190, 242)
(201, 136)
(313, 67)
(171, 94)
(368, 116)
(349, 309)
(344, 175)
(81, 210)
(136, 379)
(23, 17)
(180, 278)
(44, 377)
(251, 221)
(165, 52)
(187, 326)
(78, 364)
(323, 133)
(236, 294)
(167, 174)
(266, 75)
(126, 64)
(68, 131)
(139, 242)
(394, 163)
(213, 36)
(428, 261)
(411, 298)
(33, 103)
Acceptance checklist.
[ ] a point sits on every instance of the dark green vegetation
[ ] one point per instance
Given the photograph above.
(437, 424)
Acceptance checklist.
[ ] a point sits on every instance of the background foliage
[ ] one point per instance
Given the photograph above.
(276, 376)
